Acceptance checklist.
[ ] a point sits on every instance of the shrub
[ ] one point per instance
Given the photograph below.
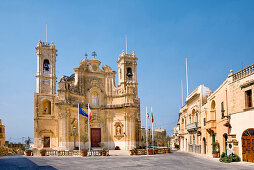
(223, 155)
(230, 158)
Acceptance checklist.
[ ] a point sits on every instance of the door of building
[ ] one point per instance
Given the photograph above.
(248, 145)
(46, 142)
(95, 137)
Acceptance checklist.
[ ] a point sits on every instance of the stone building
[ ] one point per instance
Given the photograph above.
(157, 133)
(2, 134)
(224, 121)
(190, 120)
(115, 109)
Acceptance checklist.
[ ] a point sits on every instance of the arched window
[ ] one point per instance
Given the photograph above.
(129, 73)
(213, 111)
(46, 66)
(95, 99)
(46, 107)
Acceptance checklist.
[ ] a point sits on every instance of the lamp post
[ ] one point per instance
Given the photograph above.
(74, 133)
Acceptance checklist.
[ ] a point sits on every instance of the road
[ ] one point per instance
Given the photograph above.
(177, 160)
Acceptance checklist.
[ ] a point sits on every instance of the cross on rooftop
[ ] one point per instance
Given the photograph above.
(94, 54)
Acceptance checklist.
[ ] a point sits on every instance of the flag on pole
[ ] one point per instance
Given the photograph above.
(152, 117)
(89, 113)
(147, 115)
(82, 112)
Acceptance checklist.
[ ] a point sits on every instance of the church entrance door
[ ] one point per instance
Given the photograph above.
(95, 137)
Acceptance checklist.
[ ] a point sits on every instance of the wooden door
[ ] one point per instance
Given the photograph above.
(95, 137)
(46, 142)
(248, 145)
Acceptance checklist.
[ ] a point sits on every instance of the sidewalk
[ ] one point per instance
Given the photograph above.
(210, 157)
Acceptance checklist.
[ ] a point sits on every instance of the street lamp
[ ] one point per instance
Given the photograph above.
(74, 133)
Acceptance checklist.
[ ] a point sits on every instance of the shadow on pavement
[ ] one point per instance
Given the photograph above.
(19, 162)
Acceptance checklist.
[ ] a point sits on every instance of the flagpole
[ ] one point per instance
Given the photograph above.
(187, 83)
(78, 131)
(146, 134)
(89, 142)
(152, 127)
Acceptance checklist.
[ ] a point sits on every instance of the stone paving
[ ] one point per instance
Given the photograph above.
(176, 160)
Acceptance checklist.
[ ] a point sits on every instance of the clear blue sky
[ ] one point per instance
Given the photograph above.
(216, 36)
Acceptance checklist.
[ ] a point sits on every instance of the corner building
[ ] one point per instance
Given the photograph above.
(224, 117)
(116, 110)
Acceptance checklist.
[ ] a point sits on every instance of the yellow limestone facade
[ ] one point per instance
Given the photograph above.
(224, 117)
(115, 110)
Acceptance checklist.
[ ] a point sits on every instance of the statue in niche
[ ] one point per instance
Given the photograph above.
(118, 130)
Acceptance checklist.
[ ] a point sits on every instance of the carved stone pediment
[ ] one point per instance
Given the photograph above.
(107, 69)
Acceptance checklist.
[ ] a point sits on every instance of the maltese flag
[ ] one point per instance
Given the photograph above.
(89, 113)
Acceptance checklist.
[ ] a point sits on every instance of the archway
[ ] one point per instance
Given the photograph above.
(46, 107)
(248, 145)
(204, 143)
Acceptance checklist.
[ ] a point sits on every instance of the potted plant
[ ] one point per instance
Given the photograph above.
(43, 152)
(167, 150)
(134, 151)
(156, 150)
(28, 152)
(216, 150)
(84, 139)
(104, 152)
(216, 154)
(83, 152)
(150, 151)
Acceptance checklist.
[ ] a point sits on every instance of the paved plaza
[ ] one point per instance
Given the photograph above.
(177, 160)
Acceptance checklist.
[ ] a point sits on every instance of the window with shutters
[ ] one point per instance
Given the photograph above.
(222, 110)
(248, 98)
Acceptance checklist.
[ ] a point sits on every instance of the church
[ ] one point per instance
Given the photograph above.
(115, 109)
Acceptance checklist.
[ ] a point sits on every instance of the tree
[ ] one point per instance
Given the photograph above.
(28, 141)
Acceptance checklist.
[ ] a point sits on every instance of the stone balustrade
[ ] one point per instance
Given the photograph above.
(192, 126)
(72, 153)
(243, 73)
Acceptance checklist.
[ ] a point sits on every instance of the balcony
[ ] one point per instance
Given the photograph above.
(211, 126)
(192, 127)
(181, 132)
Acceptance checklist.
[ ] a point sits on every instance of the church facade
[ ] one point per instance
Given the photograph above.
(116, 110)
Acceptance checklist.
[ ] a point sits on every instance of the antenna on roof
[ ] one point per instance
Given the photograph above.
(187, 78)
(182, 90)
(126, 43)
(46, 32)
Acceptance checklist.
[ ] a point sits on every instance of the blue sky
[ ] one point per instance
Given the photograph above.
(216, 36)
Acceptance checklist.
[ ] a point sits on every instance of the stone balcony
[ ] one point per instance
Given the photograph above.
(181, 132)
(211, 126)
(192, 127)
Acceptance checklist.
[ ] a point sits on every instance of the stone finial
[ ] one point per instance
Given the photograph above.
(123, 51)
(133, 52)
(39, 43)
(231, 73)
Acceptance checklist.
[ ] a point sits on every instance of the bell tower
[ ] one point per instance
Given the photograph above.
(127, 74)
(45, 76)
(127, 69)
